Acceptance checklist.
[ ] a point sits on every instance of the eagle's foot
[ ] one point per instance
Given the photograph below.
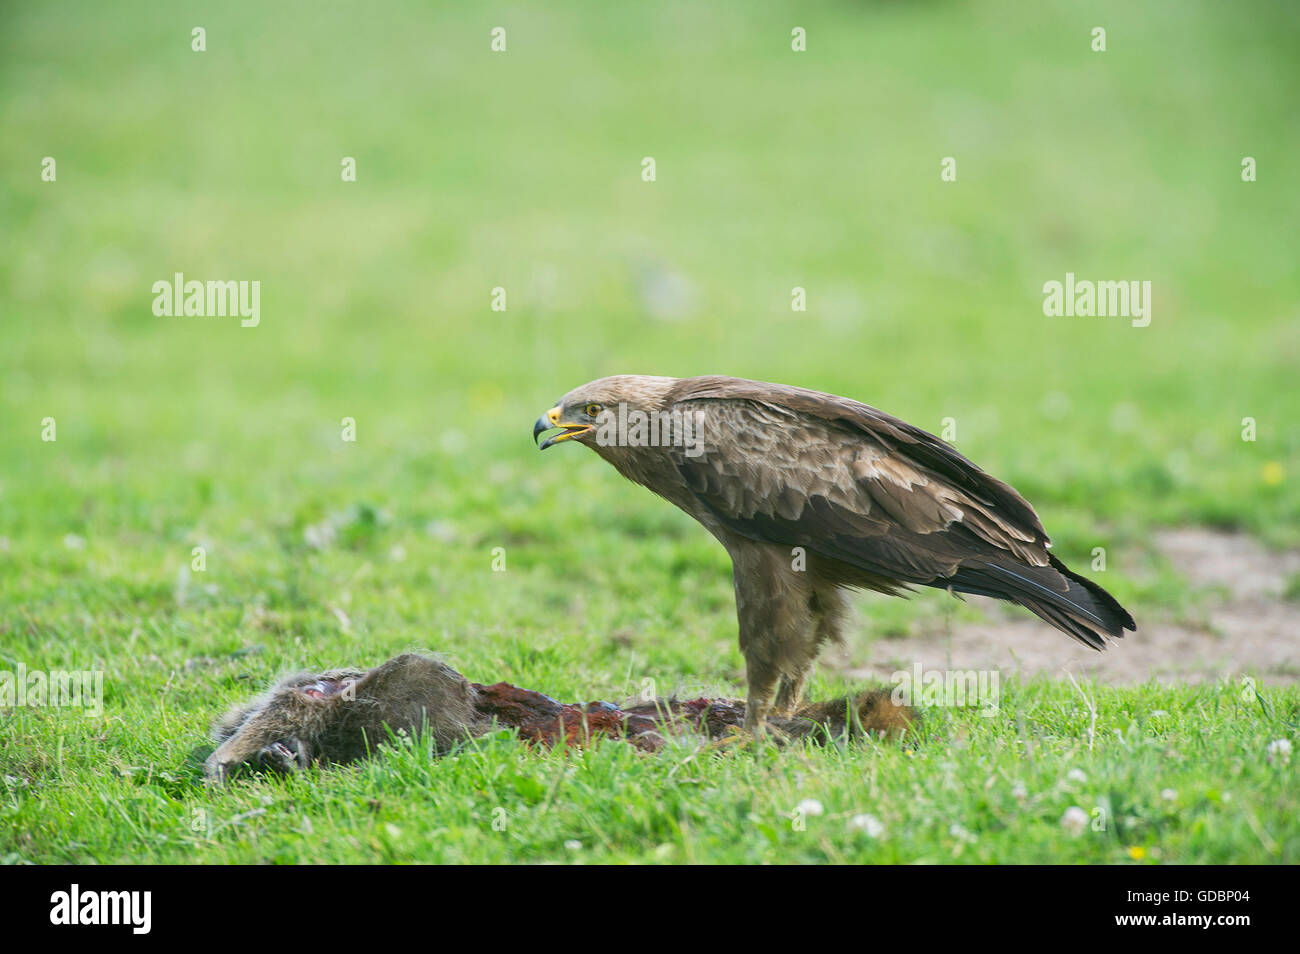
(733, 737)
(760, 728)
(756, 719)
(789, 697)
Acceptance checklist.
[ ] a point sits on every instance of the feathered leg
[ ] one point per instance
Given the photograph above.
(826, 606)
(777, 629)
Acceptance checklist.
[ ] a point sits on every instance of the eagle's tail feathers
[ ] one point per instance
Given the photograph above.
(1077, 606)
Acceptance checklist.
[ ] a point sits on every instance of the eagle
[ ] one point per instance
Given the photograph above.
(812, 495)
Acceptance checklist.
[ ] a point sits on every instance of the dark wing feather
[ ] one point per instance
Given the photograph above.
(900, 438)
(851, 484)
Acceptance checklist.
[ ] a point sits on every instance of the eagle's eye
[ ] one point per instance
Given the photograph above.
(593, 410)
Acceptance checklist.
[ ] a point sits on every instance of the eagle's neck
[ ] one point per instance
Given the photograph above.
(654, 468)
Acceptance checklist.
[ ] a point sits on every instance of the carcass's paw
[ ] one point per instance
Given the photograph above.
(286, 756)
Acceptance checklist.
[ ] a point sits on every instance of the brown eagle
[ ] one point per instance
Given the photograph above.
(812, 493)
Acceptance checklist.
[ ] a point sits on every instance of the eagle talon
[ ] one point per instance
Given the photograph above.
(732, 736)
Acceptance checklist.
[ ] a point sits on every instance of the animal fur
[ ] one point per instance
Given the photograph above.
(344, 714)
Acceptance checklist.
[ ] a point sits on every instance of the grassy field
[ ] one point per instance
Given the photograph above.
(523, 170)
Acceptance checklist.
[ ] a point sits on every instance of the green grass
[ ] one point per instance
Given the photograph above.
(522, 170)
(1173, 775)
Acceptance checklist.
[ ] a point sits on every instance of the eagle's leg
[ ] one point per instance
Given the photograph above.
(789, 692)
(776, 626)
(826, 606)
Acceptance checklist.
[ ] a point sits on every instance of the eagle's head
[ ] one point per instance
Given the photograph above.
(580, 414)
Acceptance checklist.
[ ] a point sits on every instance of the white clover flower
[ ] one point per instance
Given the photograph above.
(1279, 752)
(869, 825)
(1019, 792)
(1168, 794)
(810, 806)
(1076, 775)
(319, 536)
(1075, 820)
(573, 844)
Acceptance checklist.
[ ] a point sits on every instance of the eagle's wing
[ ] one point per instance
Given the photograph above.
(846, 481)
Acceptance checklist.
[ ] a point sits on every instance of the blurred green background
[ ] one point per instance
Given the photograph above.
(522, 170)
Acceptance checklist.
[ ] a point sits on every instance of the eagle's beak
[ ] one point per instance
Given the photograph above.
(551, 420)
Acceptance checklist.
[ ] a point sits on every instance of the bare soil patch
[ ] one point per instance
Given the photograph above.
(1242, 625)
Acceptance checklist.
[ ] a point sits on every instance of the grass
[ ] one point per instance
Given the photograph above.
(1155, 786)
(522, 170)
